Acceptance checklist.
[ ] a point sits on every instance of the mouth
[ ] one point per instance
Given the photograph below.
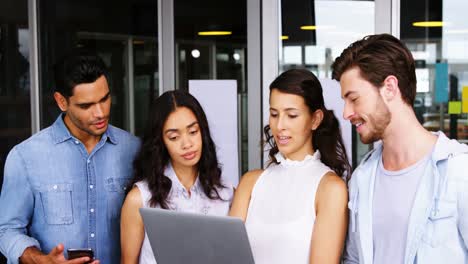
(282, 140)
(359, 124)
(189, 155)
(100, 124)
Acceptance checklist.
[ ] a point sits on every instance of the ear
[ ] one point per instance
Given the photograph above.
(61, 101)
(317, 118)
(390, 90)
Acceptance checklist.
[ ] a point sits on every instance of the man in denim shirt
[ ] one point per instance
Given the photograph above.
(64, 186)
(409, 196)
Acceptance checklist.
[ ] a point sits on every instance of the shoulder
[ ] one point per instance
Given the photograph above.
(123, 135)
(133, 198)
(33, 145)
(248, 181)
(41, 138)
(331, 182)
(250, 178)
(332, 189)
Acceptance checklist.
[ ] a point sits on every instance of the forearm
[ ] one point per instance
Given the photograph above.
(31, 255)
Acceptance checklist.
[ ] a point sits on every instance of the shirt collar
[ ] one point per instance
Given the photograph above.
(169, 172)
(62, 134)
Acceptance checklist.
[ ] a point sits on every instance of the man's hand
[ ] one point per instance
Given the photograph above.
(32, 255)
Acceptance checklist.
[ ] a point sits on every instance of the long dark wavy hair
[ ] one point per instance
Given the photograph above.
(327, 137)
(153, 157)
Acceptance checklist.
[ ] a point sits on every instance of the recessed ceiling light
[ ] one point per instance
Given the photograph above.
(309, 27)
(214, 33)
(428, 24)
(195, 53)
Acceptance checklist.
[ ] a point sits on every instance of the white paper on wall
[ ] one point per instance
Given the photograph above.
(219, 101)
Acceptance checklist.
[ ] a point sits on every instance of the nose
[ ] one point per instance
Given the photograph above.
(281, 123)
(348, 111)
(186, 142)
(99, 111)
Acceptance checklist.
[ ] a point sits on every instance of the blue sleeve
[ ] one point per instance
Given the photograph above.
(17, 205)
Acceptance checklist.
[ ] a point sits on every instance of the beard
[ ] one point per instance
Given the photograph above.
(376, 123)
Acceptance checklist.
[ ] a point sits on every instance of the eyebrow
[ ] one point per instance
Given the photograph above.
(177, 130)
(100, 100)
(287, 109)
(348, 94)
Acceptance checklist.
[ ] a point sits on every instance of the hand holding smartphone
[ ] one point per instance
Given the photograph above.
(74, 253)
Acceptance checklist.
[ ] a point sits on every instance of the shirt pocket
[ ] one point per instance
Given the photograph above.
(116, 188)
(118, 185)
(442, 224)
(57, 202)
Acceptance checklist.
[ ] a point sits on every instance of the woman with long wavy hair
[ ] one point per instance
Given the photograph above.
(295, 211)
(176, 169)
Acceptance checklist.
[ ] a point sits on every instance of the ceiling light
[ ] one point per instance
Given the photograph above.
(428, 24)
(195, 53)
(284, 37)
(214, 33)
(309, 27)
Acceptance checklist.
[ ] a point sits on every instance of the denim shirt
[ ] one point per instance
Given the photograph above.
(438, 223)
(55, 192)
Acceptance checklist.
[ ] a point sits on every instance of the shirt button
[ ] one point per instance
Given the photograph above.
(88, 161)
(92, 210)
(55, 187)
(91, 186)
(92, 234)
(77, 142)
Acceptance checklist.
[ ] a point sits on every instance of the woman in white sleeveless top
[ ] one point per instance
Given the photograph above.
(295, 211)
(176, 169)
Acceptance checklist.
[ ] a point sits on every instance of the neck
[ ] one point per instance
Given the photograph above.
(298, 156)
(90, 141)
(187, 175)
(405, 141)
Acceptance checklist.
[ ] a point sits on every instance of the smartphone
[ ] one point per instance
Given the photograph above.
(74, 253)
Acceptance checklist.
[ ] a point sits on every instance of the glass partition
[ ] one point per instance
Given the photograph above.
(436, 32)
(124, 34)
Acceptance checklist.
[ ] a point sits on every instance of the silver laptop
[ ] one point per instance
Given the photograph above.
(181, 238)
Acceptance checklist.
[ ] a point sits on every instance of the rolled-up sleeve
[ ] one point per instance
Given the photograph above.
(17, 205)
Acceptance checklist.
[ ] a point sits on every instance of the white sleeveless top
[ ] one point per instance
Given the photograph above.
(179, 200)
(281, 213)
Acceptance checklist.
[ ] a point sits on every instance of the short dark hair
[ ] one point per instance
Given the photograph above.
(76, 68)
(378, 56)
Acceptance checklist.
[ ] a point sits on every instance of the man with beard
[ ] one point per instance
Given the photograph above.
(409, 196)
(64, 186)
